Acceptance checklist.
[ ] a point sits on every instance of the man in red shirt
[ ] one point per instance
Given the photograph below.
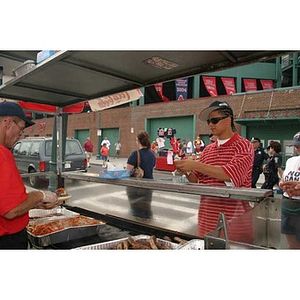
(15, 202)
(229, 162)
(88, 148)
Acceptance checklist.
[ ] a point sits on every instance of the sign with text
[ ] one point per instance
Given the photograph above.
(267, 84)
(229, 85)
(115, 100)
(210, 85)
(250, 85)
(159, 89)
(181, 88)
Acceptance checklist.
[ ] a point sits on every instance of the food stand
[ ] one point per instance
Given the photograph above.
(93, 74)
(265, 215)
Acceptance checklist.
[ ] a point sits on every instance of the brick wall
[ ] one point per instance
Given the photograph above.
(280, 103)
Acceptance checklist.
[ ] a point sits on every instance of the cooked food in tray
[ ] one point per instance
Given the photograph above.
(62, 195)
(40, 228)
(139, 242)
(142, 244)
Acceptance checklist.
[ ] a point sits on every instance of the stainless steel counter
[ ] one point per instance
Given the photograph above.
(174, 206)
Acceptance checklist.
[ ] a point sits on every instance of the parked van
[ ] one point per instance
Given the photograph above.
(34, 155)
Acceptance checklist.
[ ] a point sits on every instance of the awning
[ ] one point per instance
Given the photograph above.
(71, 77)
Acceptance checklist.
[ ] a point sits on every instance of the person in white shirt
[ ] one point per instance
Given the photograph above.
(106, 141)
(189, 147)
(118, 149)
(290, 202)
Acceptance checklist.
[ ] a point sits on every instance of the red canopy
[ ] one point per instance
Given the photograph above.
(74, 108)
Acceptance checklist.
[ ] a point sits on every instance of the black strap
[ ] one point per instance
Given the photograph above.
(138, 159)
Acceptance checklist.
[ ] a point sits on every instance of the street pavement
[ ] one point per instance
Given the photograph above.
(114, 161)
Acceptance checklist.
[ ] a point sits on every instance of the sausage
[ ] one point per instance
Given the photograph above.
(136, 245)
(167, 238)
(152, 242)
(179, 240)
(120, 246)
(125, 245)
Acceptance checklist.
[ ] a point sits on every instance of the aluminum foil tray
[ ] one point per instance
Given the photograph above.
(192, 245)
(64, 235)
(112, 245)
(43, 213)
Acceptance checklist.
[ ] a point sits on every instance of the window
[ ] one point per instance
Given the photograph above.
(72, 147)
(24, 149)
(48, 150)
(35, 149)
(16, 148)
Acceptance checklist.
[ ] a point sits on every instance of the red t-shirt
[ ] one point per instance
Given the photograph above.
(174, 144)
(12, 193)
(88, 146)
(104, 151)
(236, 159)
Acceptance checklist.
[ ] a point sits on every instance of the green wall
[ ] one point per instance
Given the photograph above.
(184, 127)
(113, 135)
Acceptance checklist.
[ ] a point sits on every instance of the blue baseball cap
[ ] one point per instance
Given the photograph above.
(12, 109)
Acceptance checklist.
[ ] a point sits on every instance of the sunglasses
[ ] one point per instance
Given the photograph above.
(215, 120)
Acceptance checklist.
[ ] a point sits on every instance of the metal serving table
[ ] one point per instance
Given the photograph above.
(266, 212)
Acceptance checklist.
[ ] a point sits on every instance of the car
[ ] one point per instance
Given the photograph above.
(34, 155)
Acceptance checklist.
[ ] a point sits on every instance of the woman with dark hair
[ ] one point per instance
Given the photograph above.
(273, 167)
(139, 198)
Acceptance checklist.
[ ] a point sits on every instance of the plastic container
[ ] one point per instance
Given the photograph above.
(114, 174)
(41, 56)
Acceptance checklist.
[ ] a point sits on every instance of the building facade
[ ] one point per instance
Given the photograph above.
(270, 114)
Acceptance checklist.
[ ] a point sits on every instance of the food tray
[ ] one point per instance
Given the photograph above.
(192, 245)
(111, 245)
(64, 235)
(57, 211)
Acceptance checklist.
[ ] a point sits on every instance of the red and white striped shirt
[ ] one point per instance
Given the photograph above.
(236, 159)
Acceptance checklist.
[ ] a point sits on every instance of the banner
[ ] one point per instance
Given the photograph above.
(210, 85)
(115, 100)
(229, 85)
(267, 84)
(74, 108)
(181, 88)
(250, 85)
(159, 89)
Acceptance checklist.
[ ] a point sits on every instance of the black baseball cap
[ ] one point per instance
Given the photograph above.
(216, 105)
(296, 139)
(12, 109)
(255, 139)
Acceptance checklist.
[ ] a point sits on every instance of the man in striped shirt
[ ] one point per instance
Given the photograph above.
(227, 161)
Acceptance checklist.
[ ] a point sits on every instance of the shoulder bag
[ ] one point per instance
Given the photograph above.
(138, 172)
